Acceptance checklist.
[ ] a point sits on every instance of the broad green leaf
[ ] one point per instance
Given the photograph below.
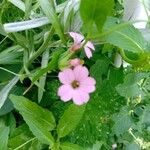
(5, 91)
(4, 133)
(133, 146)
(124, 36)
(145, 117)
(96, 146)
(130, 87)
(122, 121)
(39, 120)
(95, 11)
(19, 137)
(70, 120)
(49, 10)
(70, 146)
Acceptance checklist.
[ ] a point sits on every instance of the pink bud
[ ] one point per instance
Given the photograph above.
(75, 62)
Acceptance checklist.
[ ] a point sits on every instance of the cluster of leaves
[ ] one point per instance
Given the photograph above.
(33, 116)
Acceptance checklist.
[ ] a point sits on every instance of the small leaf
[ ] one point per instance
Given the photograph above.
(70, 146)
(39, 120)
(70, 120)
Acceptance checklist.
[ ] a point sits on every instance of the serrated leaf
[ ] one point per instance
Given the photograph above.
(122, 122)
(39, 120)
(130, 87)
(99, 10)
(126, 37)
(70, 120)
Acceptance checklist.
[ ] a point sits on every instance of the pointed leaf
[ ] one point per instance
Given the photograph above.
(70, 120)
(39, 120)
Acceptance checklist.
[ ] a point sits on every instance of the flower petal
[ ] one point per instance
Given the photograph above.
(80, 97)
(88, 81)
(88, 88)
(90, 45)
(76, 37)
(88, 52)
(66, 76)
(65, 92)
(80, 73)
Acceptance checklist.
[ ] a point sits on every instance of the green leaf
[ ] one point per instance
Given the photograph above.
(5, 91)
(52, 65)
(145, 117)
(2, 31)
(70, 120)
(19, 137)
(95, 11)
(42, 80)
(130, 87)
(124, 36)
(122, 121)
(4, 133)
(39, 120)
(48, 8)
(70, 146)
(133, 146)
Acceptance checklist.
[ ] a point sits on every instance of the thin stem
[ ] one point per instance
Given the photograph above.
(10, 71)
(4, 39)
(25, 143)
(42, 48)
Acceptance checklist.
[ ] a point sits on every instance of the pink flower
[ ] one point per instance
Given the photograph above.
(78, 43)
(75, 62)
(76, 85)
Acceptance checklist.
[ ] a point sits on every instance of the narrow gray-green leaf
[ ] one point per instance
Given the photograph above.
(49, 10)
(25, 25)
(70, 120)
(42, 79)
(39, 120)
(5, 91)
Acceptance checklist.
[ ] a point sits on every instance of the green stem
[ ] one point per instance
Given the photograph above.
(122, 53)
(19, 147)
(42, 48)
